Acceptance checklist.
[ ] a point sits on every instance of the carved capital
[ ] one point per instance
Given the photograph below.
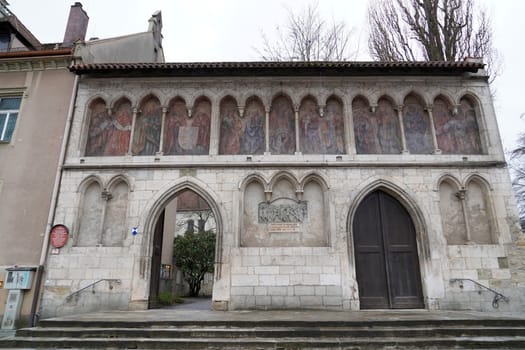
(106, 195)
(461, 194)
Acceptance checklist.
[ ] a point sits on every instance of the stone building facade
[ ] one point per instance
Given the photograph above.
(333, 185)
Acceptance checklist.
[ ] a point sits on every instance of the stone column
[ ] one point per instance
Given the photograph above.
(267, 131)
(404, 148)
(348, 122)
(132, 135)
(214, 130)
(433, 129)
(297, 140)
(162, 126)
(461, 195)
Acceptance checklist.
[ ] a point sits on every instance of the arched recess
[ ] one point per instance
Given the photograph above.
(198, 133)
(253, 136)
(310, 127)
(119, 135)
(365, 126)
(388, 128)
(99, 123)
(467, 128)
(416, 123)
(232, 126)
(146, 137)
(282, 126)
(116, 213)
(480, 212)
(155, 210)
(414, 215)
(176, 120)
(334, 130)
(451, 195)
(90, 213)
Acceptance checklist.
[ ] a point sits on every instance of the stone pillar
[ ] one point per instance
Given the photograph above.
(461, 195)
(267, 131)
(215, 130)
(162, 127)
(404, 148)
(433, 129)
(297, 140)
(132, 135)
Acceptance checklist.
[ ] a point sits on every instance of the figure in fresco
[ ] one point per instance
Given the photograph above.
(147, 130)
(333, 131)
(282, 127)
(176, 117)
(310, 127)
(119, 134)
(98, 132)
(231, 128)
(468, 140)
(201, 121)
(388, 134)
(252, 139)
(417, 132)
(445, 125)
(365, 128)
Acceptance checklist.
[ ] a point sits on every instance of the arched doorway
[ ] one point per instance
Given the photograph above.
(386, 259)
(187, 212)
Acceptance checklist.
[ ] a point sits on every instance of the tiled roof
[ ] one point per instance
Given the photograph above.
(279, 68)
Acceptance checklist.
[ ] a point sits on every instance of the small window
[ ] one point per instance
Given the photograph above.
(9, 107)
(4, 42)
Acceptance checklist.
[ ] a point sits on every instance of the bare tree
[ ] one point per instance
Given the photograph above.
(430, 30)
(307, 37)
(517, 172)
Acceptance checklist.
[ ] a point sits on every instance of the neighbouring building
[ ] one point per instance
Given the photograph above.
(37, 93)
(333, 185)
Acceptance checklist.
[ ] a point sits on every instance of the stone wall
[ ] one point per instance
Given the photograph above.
(287, 273)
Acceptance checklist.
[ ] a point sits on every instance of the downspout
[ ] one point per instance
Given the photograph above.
(53, 206)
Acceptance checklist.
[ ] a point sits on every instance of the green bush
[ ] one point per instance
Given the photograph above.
(194, 255)
(166, 298)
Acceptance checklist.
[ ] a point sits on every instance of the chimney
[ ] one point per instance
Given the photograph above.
(76, 25)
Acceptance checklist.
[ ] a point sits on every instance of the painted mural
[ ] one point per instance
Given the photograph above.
(120, 131)
(388, 134)
(417, 127)
(99, 126)
(321, 134)
(376, 132)
(253, 135)
(467, 132)
(109, 135)
(185, 135)
(241, 135)
(282, 126)
(146, 140)
(456, 134)
(445, 125)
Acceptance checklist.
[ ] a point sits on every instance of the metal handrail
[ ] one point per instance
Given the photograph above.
(497, 295)
(110, 280)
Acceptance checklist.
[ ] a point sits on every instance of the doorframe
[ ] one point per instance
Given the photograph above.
(417, 217)
(157, 205)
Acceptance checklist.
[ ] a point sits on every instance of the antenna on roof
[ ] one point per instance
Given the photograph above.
(4, 11)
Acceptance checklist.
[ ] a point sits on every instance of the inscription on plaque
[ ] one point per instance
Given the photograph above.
(284, 227)
(282, 213)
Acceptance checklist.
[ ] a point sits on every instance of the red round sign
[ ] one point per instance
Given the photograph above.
(59, 236)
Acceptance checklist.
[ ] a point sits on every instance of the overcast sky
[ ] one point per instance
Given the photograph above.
(230, 30)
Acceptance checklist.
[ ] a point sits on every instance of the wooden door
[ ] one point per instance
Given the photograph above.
(155, 261)
(387, 264)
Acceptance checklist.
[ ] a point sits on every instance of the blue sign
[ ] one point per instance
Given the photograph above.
(134, 231)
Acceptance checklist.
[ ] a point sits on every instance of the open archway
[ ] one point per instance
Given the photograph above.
(183, 214)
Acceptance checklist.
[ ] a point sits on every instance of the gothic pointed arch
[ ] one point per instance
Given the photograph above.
(282, 125)
(232, 126)
(90, 213)
(416, 123)
(146, 139)
(451, 197)
(479, 210)
(98, 129)
(156, 206)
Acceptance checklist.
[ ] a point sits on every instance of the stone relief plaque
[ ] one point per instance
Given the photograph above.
(283, 213)
(280, 227)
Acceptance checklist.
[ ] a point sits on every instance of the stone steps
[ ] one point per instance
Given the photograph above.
(490, 333)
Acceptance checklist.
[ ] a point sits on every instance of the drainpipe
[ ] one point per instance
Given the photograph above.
(53, 206)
